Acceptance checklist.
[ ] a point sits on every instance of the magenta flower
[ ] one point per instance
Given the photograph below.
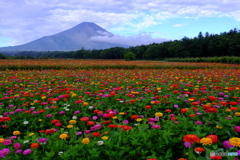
(87, 131)
(76, 112)
(49, 115)
(61, 112)
(4, 152)
(27, 151)
(198, 122)
(125, 121)
(7, 142)
(237, 128)
(188, 144)
(227, 145)
(78, 133)
(156, 126)
(42, 140)
(17, 146)
(19, 151)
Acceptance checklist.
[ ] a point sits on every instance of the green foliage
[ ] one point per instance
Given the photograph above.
(2, 56)
(224, 59)
(129, 56)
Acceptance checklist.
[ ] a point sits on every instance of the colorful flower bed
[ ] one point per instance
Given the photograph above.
(119, 114)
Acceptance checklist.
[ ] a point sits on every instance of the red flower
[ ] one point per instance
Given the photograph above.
(5, 119)
(58, 124)
(126, 128)
(168, 110)
(96, 134)
(213, 137)
(212, 98)
(191, 138)
(134, 117)
(199, 149)
(233, 103)
(107, 122)
(233, 108)
(148, 107)
(49, 131)
(183, 110)
(216, 157)
(112, 126)
(89, 123)
(55, 121)
(212, 110)
(34, 145)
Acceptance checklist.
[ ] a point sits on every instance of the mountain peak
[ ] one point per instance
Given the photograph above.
(72, 39)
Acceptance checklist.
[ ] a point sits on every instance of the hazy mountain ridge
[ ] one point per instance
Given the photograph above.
(72, 39)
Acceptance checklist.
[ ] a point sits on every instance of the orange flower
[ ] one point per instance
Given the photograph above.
(199, 150)
(191, 138)
(34, 145)
(89, 123)
(183, 110)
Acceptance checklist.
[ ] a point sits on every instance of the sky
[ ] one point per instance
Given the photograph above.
(133, 22)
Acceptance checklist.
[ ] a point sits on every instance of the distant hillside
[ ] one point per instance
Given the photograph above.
(72, 39)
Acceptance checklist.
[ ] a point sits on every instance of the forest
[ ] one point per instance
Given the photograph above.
(203, 45)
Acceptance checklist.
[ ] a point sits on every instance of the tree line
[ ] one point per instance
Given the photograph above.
(203, 45)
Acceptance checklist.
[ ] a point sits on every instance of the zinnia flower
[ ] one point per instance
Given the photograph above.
(214, 138)
(206, 141)
(17, 146)
(191, 138)
(216, 157)
(85, 140)
(4, 152)
(16, 133)
(237, 128)
(199, 150)
(27, 151)
(227, 145)
(42, 140)
(235, 141)
(64, 136)
(34, 145)
(188, 144)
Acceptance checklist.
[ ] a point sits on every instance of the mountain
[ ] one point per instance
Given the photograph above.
(72, 39)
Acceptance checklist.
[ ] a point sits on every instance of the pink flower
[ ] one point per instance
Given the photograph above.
(7, 142)
(27, 151)
(156, 126)
(237, 128)
(17, 146)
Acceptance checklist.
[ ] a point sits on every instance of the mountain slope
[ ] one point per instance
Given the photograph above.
(72, 39)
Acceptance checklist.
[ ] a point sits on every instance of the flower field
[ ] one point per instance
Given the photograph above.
(117, 114)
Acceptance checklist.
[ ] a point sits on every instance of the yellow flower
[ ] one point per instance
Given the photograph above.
(74, 95)
(227, 110)
(158, 114)
(237, 114)
(235, 141)
(191, 99)
(106, 132)
(121, 113)
(16, 133)
(115, 117)
(1, 140)
(152, 102)
(72, 121)
(139, 119)
(85, 140)
(85, 103)
(206, 141)
(69, 126)
(43, 97)
(105, 138)
(40, 120)
(64, 136)
(31, 134)
(219, 127)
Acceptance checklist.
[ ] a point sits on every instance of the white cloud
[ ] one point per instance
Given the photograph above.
(133, 40)
(26, 20)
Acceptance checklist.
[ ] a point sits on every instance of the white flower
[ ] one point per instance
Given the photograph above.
(60, 153)
(74, 117)
(121, 101)
(1, 116)
(27, 141)
(25, 122)
(90, 107)
(100, 142)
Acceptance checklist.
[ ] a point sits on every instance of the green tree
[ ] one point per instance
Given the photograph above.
(129, 56)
